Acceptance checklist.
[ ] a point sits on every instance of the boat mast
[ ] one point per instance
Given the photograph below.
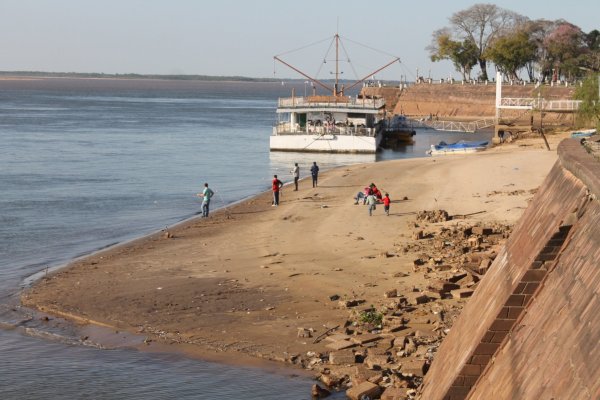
(335, 91)
(335, 88)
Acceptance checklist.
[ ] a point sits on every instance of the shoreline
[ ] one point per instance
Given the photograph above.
(260, 296)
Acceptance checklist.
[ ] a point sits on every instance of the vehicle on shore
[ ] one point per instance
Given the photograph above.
(331, 122)
(460, 147)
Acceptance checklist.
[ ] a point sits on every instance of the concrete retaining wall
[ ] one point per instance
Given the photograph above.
(532, 328)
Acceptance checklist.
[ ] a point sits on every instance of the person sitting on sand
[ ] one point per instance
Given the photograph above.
(362, 195)
(377, 193)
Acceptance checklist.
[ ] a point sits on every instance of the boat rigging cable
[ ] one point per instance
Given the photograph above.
(337, 40)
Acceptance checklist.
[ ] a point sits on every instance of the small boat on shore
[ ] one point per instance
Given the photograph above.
(330, 122)
(460, 147)
(583, 133)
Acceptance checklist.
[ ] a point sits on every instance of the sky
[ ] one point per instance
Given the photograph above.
(240, 37)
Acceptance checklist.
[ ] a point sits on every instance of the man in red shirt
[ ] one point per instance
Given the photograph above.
(386, 204)
(277, 184)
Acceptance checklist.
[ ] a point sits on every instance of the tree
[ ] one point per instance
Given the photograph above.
(589, 111)
(512, 52)
(462, 54)
(591, 60)
(481, 24)
(566, 47)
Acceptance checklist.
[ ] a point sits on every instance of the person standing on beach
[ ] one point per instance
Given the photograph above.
(371, 201)
(386, 204)
(277, 184)
(206, 195)
(296, 173)
(314, 172)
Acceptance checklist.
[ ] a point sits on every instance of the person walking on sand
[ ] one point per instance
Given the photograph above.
(386, 204)
(206, 195)
(371, 201)
(277, 184)
(314, 172)
(296, 174)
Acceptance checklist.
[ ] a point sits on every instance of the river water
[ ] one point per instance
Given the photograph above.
(86, 163)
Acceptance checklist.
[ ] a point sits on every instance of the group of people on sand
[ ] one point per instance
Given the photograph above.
(208, 193)
(371, 196)
(277, 184)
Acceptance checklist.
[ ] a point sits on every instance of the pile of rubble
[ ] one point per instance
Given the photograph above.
(384, 351)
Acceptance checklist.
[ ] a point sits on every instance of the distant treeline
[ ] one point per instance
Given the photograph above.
(137, 76)
(42, 74)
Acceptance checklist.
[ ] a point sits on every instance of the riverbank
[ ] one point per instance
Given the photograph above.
(255, 280)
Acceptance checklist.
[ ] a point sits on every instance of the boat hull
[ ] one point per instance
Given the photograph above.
(325, 143)
(444, 152)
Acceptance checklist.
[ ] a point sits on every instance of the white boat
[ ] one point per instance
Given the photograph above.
(460, 147)
(332, 123)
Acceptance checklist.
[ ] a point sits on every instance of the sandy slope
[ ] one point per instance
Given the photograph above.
(248, 277)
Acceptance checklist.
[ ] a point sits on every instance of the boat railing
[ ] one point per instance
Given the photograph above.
(285, 128)
(349, 102)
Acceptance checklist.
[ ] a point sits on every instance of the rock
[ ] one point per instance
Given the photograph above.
(376, 379)
(442, 286)
(415, 298)
(330, 380)
(340, 345)
(484, 266)
(349, 303)
(361, 374)
(474, 242)
(417, 235)
(376, 361)
(479, 230)
(304, 333)
(413, 367)
(336, 337)
(365, 338)
(364, 389)
(390, 293)
(334, 297)
(317, 392)
(462, 293)
(393, 393)
(390, 321)
(342, 357)
(409, 347)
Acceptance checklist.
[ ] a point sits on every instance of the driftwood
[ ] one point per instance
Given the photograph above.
(463, 216)
(322, 335)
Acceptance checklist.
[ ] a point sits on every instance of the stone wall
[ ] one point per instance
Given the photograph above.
(532, 329)
(459, 101)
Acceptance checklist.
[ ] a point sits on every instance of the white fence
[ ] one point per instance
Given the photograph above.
(540, 104)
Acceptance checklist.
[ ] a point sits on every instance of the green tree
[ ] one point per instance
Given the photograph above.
(512, 52)
(589, 111)
(591, 60)
(462, 54)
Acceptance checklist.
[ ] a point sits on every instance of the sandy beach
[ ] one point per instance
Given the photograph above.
(247, 280)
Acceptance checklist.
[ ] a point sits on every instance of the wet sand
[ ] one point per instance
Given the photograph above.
(244, 281)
